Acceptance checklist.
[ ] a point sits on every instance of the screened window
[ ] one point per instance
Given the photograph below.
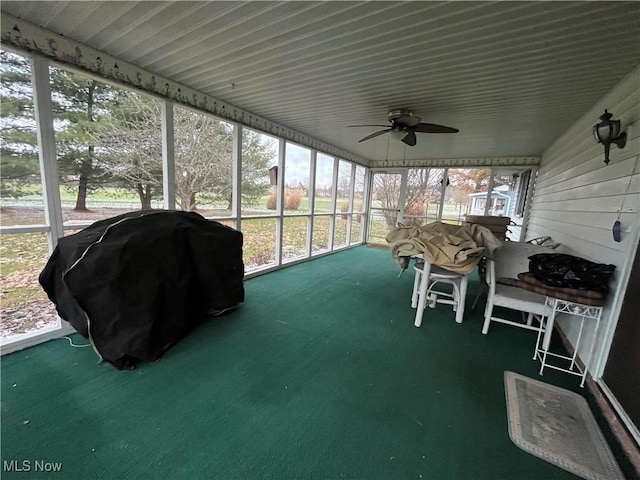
(108, 144)
(21, 196)
(296, 179)
(259, 173)
(203, 163)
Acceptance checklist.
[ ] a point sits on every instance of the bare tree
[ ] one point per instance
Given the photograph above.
(130, 145)
(423, 186)
(204, 158)
(129, 148)
(470, 180)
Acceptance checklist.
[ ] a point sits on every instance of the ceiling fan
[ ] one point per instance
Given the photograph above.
(404, 126)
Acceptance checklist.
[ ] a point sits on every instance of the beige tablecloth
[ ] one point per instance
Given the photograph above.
(456, 248)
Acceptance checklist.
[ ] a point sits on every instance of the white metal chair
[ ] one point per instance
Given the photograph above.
(427, 276)
(484, 287)
(509, 260)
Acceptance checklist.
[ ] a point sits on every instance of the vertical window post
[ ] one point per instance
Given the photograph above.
(443, 193)
(168, 157)
(352, 190)
(47, 149)
(236, 197)
(282, 146)
(366, 205)
(334, 202)
(488, 203)
(311, 195)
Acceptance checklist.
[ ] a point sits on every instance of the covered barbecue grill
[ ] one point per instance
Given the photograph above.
(137, 283)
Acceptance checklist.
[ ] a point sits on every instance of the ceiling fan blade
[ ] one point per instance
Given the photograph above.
(410, 138)
(433, 128)
(381, 132)
(350, 126)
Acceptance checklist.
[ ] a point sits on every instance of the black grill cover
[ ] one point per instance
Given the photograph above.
(136, 283)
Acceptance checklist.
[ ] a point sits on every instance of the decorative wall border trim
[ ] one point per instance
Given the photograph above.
(27, 37)
(458, 162)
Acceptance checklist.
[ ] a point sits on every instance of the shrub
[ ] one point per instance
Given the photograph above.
(292, 200)
(343, 208)
(414, 215)
(357, 206)
(272, 201)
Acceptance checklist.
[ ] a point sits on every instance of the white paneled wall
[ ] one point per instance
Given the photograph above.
(577, 199)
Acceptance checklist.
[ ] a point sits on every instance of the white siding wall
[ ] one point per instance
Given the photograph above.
(577, 198)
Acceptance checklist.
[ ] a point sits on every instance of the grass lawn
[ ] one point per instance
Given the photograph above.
(23, 255)
(24, 304)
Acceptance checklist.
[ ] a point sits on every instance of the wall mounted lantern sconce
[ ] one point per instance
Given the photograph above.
(607, 131)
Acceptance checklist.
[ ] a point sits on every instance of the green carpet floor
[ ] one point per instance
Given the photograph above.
(319, 375)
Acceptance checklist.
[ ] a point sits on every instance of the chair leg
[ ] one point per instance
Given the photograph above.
(488, 311)
(455, 293)
(541, 331)
(530, 319)
(481, 290)
(416, 288)
(432, 298)
(422, 294)
(462, 294)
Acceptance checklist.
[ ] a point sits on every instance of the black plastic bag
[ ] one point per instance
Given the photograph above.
(567, 271)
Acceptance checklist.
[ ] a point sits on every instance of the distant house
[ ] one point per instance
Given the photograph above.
(501, 202)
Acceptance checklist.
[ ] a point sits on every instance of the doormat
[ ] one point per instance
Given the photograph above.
(557, 425)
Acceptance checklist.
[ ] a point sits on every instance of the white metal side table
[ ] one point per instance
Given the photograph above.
(585, 312)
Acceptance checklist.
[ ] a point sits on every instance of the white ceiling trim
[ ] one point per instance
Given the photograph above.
(27, 37)
(459, 162)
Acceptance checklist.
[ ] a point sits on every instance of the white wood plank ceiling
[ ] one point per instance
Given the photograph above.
(512, 76)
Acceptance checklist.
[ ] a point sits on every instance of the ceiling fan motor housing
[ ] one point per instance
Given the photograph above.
(403, 117)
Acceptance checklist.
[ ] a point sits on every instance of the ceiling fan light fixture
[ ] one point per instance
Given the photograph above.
(398, 135)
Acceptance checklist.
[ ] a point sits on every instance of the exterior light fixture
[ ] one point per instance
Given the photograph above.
(607, 131)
